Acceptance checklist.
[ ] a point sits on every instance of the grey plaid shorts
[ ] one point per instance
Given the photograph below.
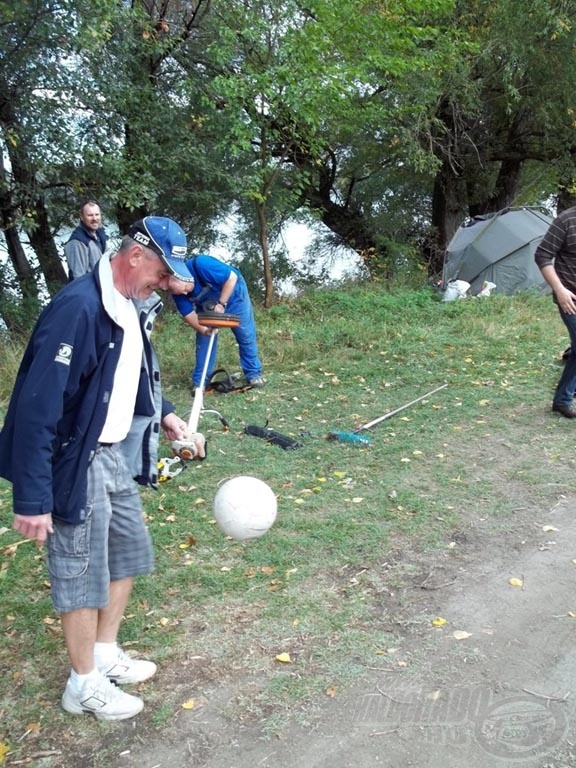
(113, 543)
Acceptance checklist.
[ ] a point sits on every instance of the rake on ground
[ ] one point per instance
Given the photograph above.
(361, 440)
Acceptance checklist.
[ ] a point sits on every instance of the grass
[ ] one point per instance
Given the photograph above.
(312, 587)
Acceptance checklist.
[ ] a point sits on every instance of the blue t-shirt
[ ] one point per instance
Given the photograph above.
(209, 275)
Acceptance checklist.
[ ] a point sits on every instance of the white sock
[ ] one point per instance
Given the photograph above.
(105, 653)
(78, 681)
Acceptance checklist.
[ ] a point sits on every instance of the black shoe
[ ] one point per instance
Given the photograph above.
(566, 410)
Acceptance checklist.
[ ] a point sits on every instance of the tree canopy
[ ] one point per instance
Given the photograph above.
(388, 121)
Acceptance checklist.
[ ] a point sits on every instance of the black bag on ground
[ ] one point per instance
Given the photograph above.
(271, 436)
(222, 382)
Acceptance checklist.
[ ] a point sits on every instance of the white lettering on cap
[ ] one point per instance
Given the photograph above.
(140, 238)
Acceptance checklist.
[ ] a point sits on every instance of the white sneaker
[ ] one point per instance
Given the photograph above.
(124, 669)
(101, 698)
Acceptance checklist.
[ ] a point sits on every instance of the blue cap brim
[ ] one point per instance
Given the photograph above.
(178, 268)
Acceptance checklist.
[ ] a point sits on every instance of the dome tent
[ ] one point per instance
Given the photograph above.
(499, 248)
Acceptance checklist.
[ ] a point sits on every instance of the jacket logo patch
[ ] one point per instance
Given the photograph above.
(64, 354)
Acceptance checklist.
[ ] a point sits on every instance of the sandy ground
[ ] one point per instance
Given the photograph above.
(503, 694)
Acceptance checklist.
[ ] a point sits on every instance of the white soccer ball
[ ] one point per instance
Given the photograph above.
(245, 507)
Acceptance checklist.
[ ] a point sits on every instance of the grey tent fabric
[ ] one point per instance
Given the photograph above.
(498, 248)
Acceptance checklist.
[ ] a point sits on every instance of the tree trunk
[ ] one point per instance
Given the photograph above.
(263, 239)
(42, 241)
(16, 311)
(348, 223)
(504, 191)
(8, 310)
(24, 272)
(25, 276)
(449, 209)
(127, 216)
(31, 202)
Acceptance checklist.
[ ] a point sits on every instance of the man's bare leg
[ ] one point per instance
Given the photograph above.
(82, 628)
(109, 618)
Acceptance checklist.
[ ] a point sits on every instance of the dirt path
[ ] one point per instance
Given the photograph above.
(499, 697)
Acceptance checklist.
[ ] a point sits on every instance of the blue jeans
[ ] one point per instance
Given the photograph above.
(239, 304)
(564, 394)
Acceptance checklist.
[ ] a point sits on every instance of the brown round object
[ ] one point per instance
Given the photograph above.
(218, 320)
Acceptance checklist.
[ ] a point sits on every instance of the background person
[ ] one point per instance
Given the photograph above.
(87, 407)
(87, 242)
(556, 258)
(222, 285)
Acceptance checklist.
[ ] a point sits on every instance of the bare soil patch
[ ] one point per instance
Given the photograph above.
(500, 696)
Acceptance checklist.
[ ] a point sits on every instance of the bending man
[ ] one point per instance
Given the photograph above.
(222, 287)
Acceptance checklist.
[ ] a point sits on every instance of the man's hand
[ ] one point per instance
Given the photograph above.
(184, 445)
(191, 447)
(174, 427)
(566, 300)
(191, 319)
(34, 527)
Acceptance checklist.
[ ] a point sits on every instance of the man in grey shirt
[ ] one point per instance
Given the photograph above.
(556, 258)
(87, 242)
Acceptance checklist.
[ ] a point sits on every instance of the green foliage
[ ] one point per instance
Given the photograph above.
(377, 119)
(20, 316)
(514, 80)
(290, 119)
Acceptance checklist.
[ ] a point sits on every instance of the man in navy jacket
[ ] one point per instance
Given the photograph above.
(82, 425)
